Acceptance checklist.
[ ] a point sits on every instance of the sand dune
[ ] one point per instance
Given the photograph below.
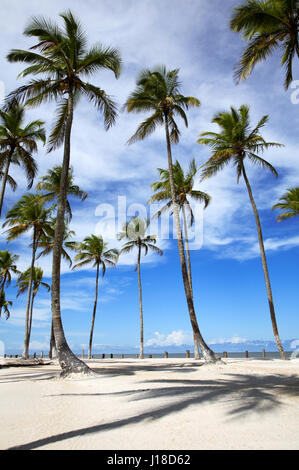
(153, 404)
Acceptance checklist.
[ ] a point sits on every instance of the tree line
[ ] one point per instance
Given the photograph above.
(61, 65)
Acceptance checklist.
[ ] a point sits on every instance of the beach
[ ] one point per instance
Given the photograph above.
(154, 404)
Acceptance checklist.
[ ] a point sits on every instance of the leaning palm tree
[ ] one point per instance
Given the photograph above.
(135, 232)
(50, 184)
(94, 250)
(4, 304)
(23, 282)
(267, 26)
(62, 63)
(184, 186)
(290, 203)
(235, 143)
(17, 144)
(158, 91)
(29, 214)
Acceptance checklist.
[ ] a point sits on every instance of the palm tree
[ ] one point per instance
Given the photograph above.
(27, 214)
(236, 142)
(267, 26)
(94, 250)
(50, 184)
(134, 232)
(159, 92)
(23, 283)
(4, 304)
(17, 144)
(62, 62)
(290, 202)
(184, 184)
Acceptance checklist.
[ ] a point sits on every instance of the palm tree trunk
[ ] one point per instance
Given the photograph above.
(31, 315)
(196, 347)
(265, 268)
(52, 350)
(94, 312)
(141, 354)
(207, 353)
(25, 354)
(4, 180)
(67, 360)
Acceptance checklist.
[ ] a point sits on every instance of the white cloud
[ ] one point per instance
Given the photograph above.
(175, 338)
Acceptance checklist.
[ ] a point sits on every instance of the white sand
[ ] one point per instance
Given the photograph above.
(153, 404)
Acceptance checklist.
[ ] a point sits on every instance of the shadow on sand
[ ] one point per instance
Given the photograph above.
(239, 393)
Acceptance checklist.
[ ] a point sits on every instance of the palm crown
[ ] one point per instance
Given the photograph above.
(267, 26)
(4, 304)
(29, 213)
(235, 142)
(289, 202)
(62, 60)
(94, 250)
(184, 183)
(20, 140)
(7, 267)
(158, 92)
(24, 280)
(135, 231)
(50, 184)
(47, 240)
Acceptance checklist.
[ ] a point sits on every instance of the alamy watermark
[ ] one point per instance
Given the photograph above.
(113, 218)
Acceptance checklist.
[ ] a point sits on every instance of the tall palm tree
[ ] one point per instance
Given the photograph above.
(267, 26)
(135, 232)
(94, 250)
(62, 62)
(4, 304)
(184, 185)
(290, 202)
(235, 143)
(17, 144)
(50, 184)
(158, 91)
(23, 282)
(28, 214)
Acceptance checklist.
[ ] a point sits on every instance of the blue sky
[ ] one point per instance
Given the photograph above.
(229, 290)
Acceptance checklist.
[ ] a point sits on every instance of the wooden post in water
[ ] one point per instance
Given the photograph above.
(166, 355)
(34, 356)
(82, 355)
(264, 354)
(122, 356)
(4, 356)
(111, 356)
(225, 354)
(188, 353)
(150, 356)
(103, 356)
(246, 354)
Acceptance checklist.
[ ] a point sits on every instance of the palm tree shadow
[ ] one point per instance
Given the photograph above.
(241, 394)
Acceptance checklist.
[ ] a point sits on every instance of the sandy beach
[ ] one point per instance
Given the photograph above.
(153, 404)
